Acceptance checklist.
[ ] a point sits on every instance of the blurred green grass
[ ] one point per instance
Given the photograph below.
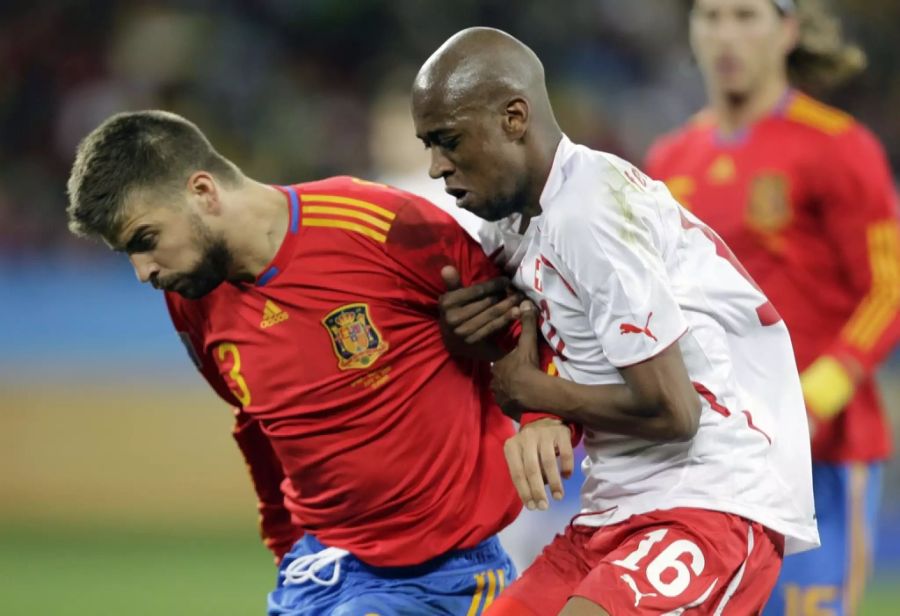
(79, 572)
(109, 571)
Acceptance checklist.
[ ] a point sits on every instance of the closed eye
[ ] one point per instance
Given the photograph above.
(141, 241)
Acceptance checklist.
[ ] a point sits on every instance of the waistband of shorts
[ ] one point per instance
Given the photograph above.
(487, 551)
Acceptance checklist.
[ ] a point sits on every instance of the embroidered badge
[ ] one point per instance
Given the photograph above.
(354, 336)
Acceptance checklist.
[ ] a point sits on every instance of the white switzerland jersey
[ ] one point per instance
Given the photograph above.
(620, 272)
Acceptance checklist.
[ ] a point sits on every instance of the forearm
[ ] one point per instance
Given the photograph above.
(614, 408)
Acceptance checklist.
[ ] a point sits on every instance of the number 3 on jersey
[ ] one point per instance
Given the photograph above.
(668, 573)
(228, 351)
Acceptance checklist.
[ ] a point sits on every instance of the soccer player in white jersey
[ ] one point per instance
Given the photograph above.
(698, 475)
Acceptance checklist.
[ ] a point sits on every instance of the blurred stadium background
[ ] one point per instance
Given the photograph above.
(120, 489)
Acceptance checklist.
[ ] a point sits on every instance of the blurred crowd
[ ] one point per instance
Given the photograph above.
(292, 90)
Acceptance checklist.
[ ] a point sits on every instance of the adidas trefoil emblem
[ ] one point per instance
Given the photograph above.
(272, 315)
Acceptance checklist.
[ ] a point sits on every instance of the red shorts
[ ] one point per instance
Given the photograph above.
(662, 562)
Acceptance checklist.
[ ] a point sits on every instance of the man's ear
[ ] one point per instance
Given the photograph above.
(517, 114)
(204, 191)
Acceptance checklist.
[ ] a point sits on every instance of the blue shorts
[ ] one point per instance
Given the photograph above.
(830, 580)
(318, 581)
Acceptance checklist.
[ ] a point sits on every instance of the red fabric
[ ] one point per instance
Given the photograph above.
(652, 564)
(397, 461)
(806, 201)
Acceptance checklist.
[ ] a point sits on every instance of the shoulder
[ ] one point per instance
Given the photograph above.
(816, 117)
(347, 191)
(665, 148)
(378, 211)
(851, 145)
(604, 201)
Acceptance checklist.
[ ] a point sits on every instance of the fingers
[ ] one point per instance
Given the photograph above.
(491, 320)
(528, 317)
(565, 453)
(547, 448)
(532, 459)
(534, 475)
(512, 449)
(454, 298)
(451, 277)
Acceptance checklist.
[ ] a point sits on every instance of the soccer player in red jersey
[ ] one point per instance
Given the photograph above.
(804, 196)
(313, 309)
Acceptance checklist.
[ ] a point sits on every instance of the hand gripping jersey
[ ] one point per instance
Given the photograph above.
(620, 272)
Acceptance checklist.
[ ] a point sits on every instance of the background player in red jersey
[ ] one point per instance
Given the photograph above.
(313, 309)
(803, 195)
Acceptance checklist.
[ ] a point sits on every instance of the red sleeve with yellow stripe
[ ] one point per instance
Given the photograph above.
(861, 216)
(859, 209)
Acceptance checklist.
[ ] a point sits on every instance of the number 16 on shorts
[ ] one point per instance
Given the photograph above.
(704, 561)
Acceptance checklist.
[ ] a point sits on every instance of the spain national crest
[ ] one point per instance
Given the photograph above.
(356, 341)
(769, 209)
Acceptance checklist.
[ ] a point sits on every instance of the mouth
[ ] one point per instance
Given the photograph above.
(461, 195)
(727, 65)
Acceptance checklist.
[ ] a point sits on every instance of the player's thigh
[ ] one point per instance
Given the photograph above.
(683, 560)
(579, 606)
(545, 586)
(830, 579)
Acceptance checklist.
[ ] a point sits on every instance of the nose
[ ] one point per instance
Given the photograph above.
(725, 29)
(440, 165)
(144, 267)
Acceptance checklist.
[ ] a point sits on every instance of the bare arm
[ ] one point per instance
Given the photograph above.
(657, 401)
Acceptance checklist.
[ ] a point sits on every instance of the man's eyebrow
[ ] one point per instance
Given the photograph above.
(133, 242)
(436, 134)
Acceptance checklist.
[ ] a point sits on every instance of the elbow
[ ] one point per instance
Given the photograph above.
(682, 420)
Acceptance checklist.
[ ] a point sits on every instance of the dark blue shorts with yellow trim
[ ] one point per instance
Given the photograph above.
(317, 581)
(830, 580)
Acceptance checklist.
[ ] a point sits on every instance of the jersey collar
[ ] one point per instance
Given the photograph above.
(557, 176)
(286, 250)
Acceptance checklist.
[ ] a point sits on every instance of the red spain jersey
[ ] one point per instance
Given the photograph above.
(805, 199)
(356, 424)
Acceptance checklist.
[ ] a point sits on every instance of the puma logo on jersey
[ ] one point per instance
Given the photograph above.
(272, 315)
(628, 328)
(638, 595)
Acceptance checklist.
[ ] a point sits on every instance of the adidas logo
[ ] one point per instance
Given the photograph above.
(272, 315)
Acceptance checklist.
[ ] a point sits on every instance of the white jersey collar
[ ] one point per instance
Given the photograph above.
(557, 176)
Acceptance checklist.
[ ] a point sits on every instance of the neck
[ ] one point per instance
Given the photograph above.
(260, 223)
(545, 146)
(737, 112)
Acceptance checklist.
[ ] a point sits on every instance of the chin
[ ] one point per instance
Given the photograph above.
(196, 291)
(736, 91)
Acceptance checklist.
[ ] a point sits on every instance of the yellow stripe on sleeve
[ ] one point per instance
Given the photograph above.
(879, 307)
(377, 209)
(346, 225)
(349, 213)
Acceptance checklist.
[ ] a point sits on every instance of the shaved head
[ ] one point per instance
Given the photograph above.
(481, 66)
(480, 104)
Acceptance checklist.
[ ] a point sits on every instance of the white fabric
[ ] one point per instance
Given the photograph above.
(621, 272)
(306, 568)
